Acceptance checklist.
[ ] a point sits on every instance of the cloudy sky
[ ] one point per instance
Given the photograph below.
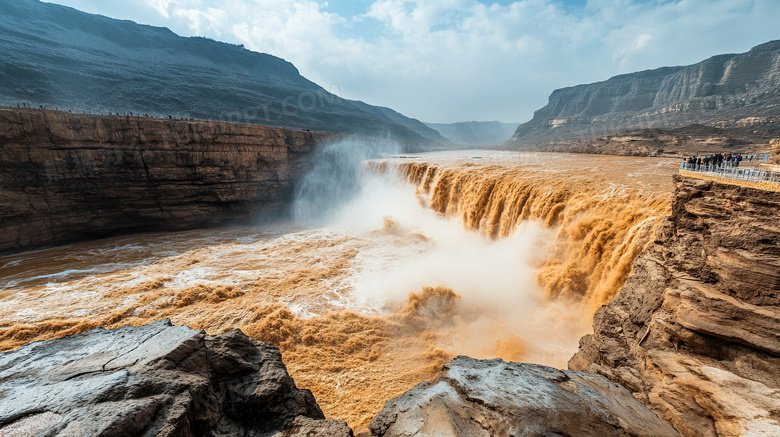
(458, 60)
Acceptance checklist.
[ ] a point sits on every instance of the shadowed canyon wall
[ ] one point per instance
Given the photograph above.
(693, 333)
(65, 177)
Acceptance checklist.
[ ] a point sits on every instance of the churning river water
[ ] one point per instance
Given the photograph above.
(487, 254)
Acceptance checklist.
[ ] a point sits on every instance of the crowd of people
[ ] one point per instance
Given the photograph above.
(718, 160)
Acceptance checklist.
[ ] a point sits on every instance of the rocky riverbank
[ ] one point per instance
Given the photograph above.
(483, 398)
(67, 177)
(164, 380)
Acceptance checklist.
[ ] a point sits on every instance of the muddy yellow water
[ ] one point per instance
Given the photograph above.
(484, 254)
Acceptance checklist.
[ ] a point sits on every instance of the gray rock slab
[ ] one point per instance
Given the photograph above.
(487, 398)
(154, 380)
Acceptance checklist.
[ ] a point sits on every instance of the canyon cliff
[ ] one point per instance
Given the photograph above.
(694, 331)
(696, 139)
(725, 91)
(66, 177)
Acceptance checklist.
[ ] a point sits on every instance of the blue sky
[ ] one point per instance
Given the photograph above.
(459, 60)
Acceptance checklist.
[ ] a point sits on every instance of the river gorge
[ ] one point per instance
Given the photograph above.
(486, 254)
(201, 239)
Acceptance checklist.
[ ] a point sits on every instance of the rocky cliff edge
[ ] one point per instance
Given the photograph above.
(695, 331)
(67, 177)
(774, 147)
(164, 380)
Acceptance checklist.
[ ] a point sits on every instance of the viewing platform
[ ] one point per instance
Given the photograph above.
(747, 177)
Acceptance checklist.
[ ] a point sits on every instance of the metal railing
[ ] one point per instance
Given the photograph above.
(742, 174)
(747, 157)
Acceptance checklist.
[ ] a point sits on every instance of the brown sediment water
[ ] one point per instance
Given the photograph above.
(493, 255)
(604, 210)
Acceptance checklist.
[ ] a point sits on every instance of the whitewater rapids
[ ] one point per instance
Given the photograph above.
(478, 253)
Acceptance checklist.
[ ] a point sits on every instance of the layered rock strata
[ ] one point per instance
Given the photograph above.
(66, 177)
(724, 91)
(155, 380)
(496, 398)
(695, 331)
(774, 147)
(685, 141)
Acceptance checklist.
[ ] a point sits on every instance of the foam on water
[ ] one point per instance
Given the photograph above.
(426, 259)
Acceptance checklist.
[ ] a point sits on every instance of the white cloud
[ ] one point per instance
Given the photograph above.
(161, 6)
(210, 21)
(452, 60)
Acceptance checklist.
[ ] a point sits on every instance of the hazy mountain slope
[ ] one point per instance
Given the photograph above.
(475, 133)
(410, 123)
(56, 56)
(725, 91)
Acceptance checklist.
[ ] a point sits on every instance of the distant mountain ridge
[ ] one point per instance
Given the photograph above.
(476, 133)
(733, 90)
(57, 56)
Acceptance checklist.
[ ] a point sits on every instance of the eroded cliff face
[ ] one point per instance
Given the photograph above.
(66, 177)
(695, 139)
(774, 146)
(736, 90)
(694, 331)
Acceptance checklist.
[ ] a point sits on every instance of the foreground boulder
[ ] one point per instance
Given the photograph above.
(478, 398)
(695, 331)
(154, 380)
